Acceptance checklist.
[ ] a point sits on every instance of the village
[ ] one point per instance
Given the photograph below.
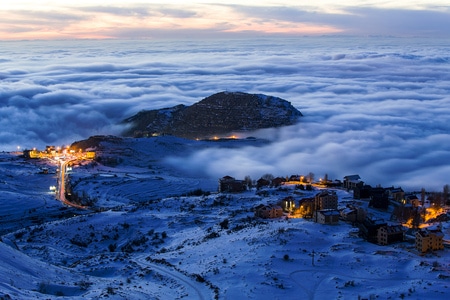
(410, 219)
(54, 152)
(293, 236)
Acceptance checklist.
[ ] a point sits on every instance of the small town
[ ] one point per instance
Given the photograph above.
(54, 152)
(115, 204)
(413, 217)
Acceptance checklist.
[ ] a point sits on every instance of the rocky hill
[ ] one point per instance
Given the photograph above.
(217, 115)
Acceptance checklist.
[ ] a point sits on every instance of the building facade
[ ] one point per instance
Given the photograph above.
(327, 216)
(429, 240)
(326, 200)
(268, 212)
(351, 181)
(390, 234)
(229, 184)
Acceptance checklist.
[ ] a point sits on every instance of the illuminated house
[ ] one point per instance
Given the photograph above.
(368, 229)
(390, 234)
(351, 181)
(396, 194)
(429, 240)
(276, 182)
(306, 207)
(327, 216)
(326, 200)
(262, 182)
(295, 178)
(288, 204)
(413, 200)
(353, 214)
(32, 153)
(268, 212)
(228, 184)
(90, 155)
(50, 149)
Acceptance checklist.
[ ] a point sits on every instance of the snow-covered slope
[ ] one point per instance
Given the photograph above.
(147, 239)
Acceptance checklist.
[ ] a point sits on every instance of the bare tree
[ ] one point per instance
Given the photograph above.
(422, 202)
(248, 181)
(445, 194)
(416, 218)
(325, 178)
(268, 177)
(310, 177)
(437, 200)
(422, 196)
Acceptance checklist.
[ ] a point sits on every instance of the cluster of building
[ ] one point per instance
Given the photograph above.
(53, 152)
(379, 197)
(323, 209)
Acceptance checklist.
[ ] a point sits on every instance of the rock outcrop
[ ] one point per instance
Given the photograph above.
(217, 115)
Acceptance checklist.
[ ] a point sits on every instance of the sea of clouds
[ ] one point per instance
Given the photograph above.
(379, 107)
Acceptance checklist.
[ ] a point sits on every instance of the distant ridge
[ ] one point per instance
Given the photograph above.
(217, 115)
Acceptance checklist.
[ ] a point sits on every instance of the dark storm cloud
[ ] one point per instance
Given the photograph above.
(377, 107)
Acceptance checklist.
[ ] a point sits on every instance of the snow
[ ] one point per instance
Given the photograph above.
(147, 239)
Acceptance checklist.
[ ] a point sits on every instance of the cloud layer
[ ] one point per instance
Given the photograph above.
(377, 107)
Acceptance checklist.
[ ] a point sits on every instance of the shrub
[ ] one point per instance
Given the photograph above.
(127, 248)
(224, 224)
(19, 234)
(125, 225)
(198, 192)
(212, 235)
(110, 291)
(84, 285)
(139, 241)
(199, 278)
(77, 240)
(112, 247)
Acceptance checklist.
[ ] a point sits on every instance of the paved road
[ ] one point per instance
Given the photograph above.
(61, 195)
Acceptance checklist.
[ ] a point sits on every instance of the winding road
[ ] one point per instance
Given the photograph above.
(61, 192)
(193, 288)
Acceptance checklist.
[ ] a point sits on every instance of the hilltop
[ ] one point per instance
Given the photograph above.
(217, 115)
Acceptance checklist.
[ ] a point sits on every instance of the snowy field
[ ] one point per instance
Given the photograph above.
(146, 239)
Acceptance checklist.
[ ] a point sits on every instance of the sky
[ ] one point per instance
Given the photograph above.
(94, 19)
